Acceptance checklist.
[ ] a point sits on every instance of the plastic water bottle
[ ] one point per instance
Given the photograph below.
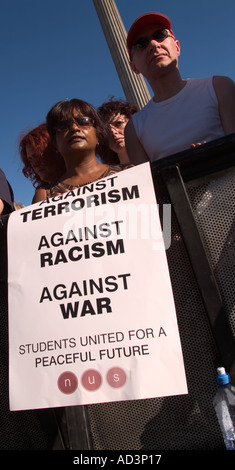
(224, 404)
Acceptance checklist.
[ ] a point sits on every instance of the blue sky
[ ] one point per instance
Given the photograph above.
(55, 49)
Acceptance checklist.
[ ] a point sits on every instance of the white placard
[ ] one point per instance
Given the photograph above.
(91, 311)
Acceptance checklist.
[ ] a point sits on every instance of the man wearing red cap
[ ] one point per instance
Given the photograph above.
(182, 112)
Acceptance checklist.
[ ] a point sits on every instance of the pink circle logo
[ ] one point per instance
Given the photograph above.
(67, 382)
(116, 377)
(91, 380)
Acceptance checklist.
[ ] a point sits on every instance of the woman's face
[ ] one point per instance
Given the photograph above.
(116, 126)
(39, 164)
(76, 135)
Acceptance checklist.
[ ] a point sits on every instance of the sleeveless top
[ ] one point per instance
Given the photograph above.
(187, 118)
(59, 187)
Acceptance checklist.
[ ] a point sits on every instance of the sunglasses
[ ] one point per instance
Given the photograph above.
(80, 121)
(159, 36)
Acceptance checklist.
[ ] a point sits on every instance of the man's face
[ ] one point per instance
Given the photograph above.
(156, 57)
(116, 126)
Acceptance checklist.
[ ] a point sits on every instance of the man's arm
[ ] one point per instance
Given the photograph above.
(135, 151)
(225, 92)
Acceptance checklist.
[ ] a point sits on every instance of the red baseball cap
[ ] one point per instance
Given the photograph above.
(145, 20)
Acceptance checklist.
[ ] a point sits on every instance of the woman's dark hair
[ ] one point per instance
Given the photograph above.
(114, 107)
(64, 110)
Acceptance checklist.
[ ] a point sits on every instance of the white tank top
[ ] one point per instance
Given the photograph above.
(187, 118)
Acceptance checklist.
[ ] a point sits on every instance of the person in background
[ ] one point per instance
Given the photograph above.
(116, 114)
(79, 135)
(6, 195)
(42, 163)
(181, 112)
(18, 205)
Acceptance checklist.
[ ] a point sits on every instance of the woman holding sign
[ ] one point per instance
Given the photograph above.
(79, 135)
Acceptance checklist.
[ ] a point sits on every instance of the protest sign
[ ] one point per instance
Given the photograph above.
(91, 310)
